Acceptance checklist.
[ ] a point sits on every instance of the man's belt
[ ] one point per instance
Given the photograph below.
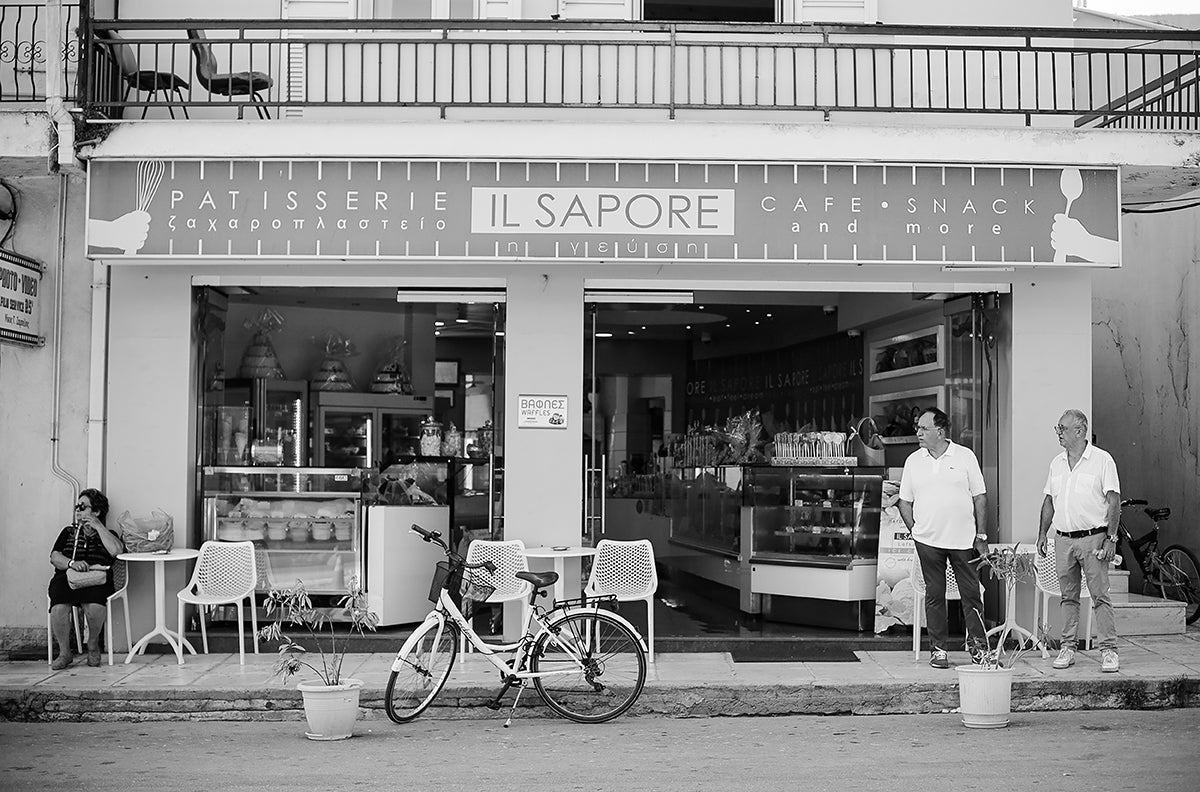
(1081, 534)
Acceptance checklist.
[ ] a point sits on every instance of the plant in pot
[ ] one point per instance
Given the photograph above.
(331, 700)
(985, 688)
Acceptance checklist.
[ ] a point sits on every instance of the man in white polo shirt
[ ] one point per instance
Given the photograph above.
(943, 502)
(1083, 506)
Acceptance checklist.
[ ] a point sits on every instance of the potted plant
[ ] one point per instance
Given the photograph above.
(331, 700)
(985, 687)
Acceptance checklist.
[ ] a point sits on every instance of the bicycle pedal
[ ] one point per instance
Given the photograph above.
(494, 704)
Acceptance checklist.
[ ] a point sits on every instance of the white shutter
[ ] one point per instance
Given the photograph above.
(497, 9)
(848, 12)
(595, 9)
(297, 52)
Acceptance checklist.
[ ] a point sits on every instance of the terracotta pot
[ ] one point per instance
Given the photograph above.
(331, 709)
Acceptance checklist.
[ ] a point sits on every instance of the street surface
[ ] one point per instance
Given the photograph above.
(1094, 751)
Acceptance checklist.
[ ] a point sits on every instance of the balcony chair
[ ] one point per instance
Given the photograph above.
(145, 80)
(245, 83)
(509, 558)
(1045, 584)
(626, 570)
(226, 572)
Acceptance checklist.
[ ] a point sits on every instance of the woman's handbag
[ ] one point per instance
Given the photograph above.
(153, 534)
(96, 576)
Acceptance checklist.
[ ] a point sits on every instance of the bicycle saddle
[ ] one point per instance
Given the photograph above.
(1158, 514)
(539, 579)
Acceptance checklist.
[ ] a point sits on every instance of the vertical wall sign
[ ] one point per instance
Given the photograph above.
(547, 210)
(20, 300)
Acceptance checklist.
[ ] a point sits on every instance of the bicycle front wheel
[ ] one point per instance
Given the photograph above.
(595, 667)
(1181, 579)
(420, 673)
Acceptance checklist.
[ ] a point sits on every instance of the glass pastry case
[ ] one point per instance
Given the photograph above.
(364, 430)
(304, 522)
(814, 516)
(705, 507)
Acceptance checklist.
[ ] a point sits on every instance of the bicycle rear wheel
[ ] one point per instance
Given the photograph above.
(597, 667)
(1181, 579)
(419, 674)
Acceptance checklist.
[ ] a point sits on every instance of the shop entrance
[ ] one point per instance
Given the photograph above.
(690, 397)
(333, 418)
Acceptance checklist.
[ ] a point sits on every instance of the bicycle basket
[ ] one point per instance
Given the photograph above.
(475, 587)
(440, 573)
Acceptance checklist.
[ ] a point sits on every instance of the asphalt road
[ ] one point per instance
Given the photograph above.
(1094, 751)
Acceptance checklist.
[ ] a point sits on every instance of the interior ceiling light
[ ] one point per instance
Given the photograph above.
(603, 335)
(499, 334)
(439, 323)
(462, 316)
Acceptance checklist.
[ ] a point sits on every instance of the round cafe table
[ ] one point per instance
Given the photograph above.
(559, 554)
(174, 637)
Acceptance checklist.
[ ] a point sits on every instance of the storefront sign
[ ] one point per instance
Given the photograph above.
(750, 212)
(538, 411)
(20, 304)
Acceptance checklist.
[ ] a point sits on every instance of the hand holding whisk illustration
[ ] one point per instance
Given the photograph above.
(149, 176)
(128, 232)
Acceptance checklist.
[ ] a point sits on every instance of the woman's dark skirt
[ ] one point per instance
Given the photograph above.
(61, 593)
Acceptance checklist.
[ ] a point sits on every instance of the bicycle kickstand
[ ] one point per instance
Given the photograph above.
(513, 711)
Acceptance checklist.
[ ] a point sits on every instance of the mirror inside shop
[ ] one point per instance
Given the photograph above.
(753, 439)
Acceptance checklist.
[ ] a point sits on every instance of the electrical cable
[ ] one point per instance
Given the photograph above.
(1125, 210)
(11, 217)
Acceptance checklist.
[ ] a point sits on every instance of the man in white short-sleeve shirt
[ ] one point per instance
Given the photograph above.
(943, 502)
(1083, 506)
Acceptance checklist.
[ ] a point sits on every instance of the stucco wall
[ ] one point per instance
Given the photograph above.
(1146, 355)
(34, 504)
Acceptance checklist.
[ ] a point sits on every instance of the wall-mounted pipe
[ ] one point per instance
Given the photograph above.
(64, 124)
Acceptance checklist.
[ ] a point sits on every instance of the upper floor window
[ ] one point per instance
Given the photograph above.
(710, 10)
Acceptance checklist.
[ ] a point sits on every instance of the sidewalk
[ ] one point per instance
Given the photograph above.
(1156, 672)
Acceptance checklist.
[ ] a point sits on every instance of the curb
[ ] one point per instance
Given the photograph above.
(36, 705)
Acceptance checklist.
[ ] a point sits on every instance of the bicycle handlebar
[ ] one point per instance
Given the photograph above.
(1134, 502)
(435, 537)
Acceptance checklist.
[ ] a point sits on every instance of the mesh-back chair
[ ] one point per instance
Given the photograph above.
(509, 558)
(626, 570)
(250, 84)
(226, 572)
(121, 590)
(918, 587)
(1046, 586)
(145, 80)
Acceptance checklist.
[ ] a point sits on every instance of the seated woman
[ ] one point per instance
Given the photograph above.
(84, 543)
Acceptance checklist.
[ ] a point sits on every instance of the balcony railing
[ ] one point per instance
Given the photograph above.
(23, 51)
(318, 68)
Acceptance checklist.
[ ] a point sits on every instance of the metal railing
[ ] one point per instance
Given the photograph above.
(1067, 76)
(23, 51)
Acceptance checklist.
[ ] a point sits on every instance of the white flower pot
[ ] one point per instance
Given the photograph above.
(984, 696)
(331, 709)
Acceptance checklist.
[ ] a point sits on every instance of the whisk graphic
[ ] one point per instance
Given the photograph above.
(149, 176)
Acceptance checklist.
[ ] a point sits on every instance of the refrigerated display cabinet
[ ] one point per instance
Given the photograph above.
(257, 422)
(364, 430)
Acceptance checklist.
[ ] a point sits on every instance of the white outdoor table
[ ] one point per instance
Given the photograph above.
(1010, 599)
(559, 554)
(174, 638)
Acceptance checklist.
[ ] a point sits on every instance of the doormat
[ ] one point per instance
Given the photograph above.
(794, 653)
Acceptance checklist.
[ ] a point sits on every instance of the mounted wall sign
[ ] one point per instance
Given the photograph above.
(20, 303)
(540, 411)
(743, 212)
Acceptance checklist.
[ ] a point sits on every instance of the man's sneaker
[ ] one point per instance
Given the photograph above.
(1066, 657)
(939, 659)
(1108, 661)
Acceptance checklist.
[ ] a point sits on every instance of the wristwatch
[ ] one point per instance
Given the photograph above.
(1111, 538)
(982, 536)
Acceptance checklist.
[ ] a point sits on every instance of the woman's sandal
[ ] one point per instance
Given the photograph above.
(64, 660)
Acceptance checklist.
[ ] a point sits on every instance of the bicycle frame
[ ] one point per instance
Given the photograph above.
(445, 609)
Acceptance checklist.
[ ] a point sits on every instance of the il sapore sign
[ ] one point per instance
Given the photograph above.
(540, 411)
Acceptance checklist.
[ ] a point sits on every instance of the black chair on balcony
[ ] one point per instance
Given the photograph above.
(246, 83)
(145, 80)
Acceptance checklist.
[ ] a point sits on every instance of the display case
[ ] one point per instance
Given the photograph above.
(303, 521)
(364, 430)
(256, 422)
(814, 516)
(705, 507)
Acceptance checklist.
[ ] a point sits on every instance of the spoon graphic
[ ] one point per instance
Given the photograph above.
(1071, 185)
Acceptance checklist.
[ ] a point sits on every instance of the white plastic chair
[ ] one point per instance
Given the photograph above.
(509, 558)
(226, 572)
(121, 590)
(1046, 586)
(918, 587)
(626, 570)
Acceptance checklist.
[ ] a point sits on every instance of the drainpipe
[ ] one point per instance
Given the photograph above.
(56, 336)
(64, 124)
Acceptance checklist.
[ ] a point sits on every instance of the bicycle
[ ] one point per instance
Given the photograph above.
(588, 664)
(1174, 573)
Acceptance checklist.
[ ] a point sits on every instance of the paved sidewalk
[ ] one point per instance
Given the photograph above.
(1156, 672)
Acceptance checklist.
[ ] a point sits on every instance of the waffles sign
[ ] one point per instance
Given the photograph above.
(603, 211)
(538, 411)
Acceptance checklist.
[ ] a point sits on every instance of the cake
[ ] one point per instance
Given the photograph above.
(259, 360)
(333, 376)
